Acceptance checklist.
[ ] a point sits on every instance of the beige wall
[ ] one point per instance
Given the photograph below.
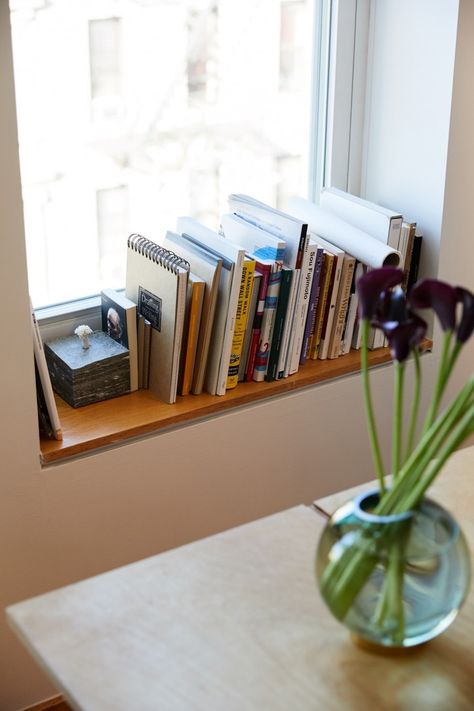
(77, 519)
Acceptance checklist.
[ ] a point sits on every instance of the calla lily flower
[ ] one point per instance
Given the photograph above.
(392, 306)
(466, 324)
(404, 336)
(372, 284)
(439, 296)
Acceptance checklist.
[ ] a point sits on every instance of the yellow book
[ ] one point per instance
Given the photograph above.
(243, 304)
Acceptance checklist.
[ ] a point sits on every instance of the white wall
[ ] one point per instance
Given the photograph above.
(408, 109)
(419, 132)
(89, 515)
(456, 261)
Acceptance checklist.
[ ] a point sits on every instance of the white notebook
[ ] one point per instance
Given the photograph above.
(157, 281)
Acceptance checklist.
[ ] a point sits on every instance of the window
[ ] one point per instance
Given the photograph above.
(112, 212)
(104, 52)
(201, 53)
(292, 52)
(132, 113)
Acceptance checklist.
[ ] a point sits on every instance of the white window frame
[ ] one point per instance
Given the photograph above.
(349, 37)
(341, 39)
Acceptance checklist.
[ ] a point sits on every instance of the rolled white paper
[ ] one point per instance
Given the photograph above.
(342, 234)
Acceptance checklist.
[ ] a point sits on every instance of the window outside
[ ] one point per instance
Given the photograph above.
(133, 112)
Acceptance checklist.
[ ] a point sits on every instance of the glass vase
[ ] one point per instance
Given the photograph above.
(394, 581)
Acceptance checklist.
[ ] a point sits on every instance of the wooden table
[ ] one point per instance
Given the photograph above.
(235, 622)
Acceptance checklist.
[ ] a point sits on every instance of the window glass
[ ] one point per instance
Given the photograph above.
(131, 113)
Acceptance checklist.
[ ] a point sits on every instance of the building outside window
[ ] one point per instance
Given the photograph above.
(133, 113)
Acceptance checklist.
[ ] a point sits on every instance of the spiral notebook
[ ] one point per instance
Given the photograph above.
(156, 281)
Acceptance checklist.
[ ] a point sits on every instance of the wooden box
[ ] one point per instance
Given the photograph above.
(82, 376)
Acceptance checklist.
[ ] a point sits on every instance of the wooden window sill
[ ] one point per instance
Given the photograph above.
(114, 421)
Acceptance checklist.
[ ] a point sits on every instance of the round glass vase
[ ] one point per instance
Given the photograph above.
(395, 581)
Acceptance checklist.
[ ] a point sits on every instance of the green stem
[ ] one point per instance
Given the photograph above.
(452, 360)
(374, 442)
(397, 417)
(415, 403)
(426, 450)
(463, 429)
(441, 380)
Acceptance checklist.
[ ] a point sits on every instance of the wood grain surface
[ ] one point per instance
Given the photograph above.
(112, 421)
(235, 622)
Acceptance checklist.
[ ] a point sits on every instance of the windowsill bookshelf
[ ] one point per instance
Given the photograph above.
(140, 413)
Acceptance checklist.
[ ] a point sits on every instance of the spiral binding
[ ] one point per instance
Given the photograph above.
(164, 257)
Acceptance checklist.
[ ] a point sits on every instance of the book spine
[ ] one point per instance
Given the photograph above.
(394, 232)
(45, 380)
(351, 318)
(324, 304)
(290, 312)
(330, 310)
(248, 329)
(326, 274)
(415, 261)
(346, 343)
(408, 254)
(313, 303)
(146, 354)
(264, 270)
(307, 271)
(268, 320)
(190, 346)
(341, 307)
(283, 300)
(243, 303)
(140, 344)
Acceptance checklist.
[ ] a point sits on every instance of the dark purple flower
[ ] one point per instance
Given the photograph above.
(404, 336)
(439, 296)
(391, 306)
(466, 324)
(372, 284)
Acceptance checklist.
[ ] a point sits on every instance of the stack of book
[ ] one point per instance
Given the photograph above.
(263, 295)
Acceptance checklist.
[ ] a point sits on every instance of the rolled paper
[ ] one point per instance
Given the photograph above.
(342, 234)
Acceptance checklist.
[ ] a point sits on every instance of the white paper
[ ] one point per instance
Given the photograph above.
(359, 244)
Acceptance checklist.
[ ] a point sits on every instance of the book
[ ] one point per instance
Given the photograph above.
(47, 409)
(326, 274)
(378, 221)
(226, 309)
(264, 269)
(346, 341)
(312, 306)
(156, 281)
(119, 321)
(140, 347)
(286, 277)
(208, 267)
(194, 301)
(288, 324)
(342, 304)
(243, 305)
(415, 260)
(256, 240)
(333, 292)
(268, 321)
(351, 317)
(407, 240)
(293, 231)
(146, 354)
(257, 277)
(285, 226)
(299, 322)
